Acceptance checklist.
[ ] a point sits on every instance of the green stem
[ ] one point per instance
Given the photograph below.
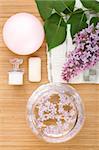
(82, 11)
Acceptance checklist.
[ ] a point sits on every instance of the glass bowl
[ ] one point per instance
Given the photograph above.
(55, 112)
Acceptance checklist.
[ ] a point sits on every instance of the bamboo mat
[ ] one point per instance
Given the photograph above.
(14, 131)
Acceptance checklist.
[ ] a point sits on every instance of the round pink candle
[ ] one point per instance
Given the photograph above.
(23, 33)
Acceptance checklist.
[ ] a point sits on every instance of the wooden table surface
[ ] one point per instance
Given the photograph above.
(14, 131)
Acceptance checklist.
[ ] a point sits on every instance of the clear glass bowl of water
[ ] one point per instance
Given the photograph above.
(55, 112)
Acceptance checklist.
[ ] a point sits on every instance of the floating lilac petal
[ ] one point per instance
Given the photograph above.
(54, 118)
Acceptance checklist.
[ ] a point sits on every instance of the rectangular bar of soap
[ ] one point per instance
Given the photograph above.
(34, 72)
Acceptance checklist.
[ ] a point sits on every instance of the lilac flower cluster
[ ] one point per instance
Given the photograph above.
(85, 55)
(48, 111)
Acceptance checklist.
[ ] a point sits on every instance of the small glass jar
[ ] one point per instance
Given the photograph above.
(55, 112)
(15, 76)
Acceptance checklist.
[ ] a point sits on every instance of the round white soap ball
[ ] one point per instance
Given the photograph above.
(23, 33)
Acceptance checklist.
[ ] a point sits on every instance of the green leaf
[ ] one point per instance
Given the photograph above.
(78, 21)
(94, 20)
(64, 5)
(46, 7)
(69, 6)
(91, 4)
(55, 30)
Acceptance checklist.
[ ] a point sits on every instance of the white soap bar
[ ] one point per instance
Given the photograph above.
(34, 73)
(15, 78)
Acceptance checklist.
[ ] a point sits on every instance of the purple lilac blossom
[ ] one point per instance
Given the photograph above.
(85, 55)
